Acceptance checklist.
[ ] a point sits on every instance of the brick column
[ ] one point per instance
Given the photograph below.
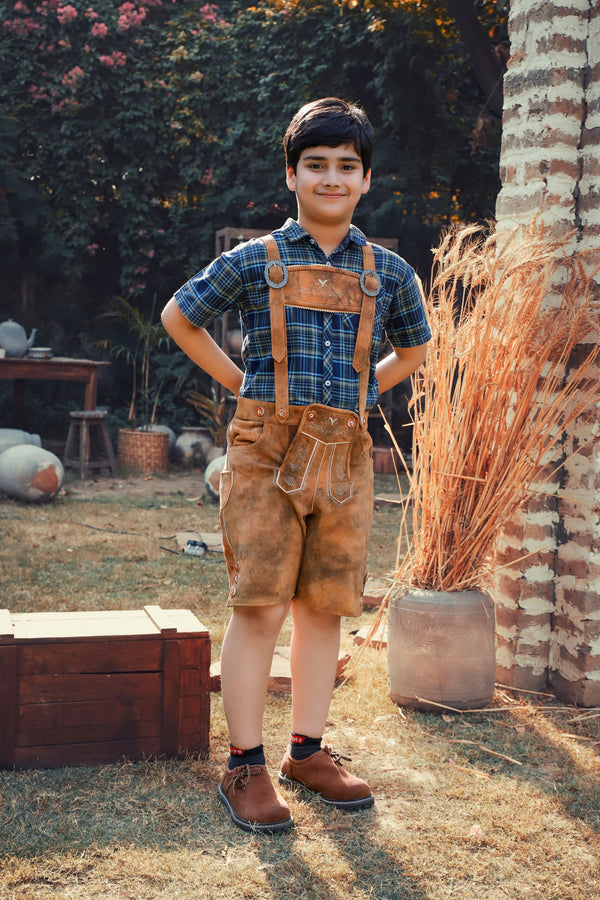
(548, 605)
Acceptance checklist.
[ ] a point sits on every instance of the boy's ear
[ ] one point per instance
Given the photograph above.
(366, 182)
(290, 178)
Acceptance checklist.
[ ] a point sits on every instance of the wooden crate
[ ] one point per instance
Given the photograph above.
(83, 688)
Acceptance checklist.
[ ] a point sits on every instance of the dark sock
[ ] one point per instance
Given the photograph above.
(253, 757)
(301, 746)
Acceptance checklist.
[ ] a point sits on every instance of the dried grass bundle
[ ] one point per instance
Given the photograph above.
(499, 388)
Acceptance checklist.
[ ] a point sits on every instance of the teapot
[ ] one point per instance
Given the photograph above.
(13, 338)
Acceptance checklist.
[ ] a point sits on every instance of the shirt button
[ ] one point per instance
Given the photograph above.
(328, 343)
(327, 384)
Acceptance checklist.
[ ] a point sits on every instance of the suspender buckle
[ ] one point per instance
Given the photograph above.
(276, 263)
(372, 276)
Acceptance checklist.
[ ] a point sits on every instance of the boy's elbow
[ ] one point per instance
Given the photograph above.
(170, 315)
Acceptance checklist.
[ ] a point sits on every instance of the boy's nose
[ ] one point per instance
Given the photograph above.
(331, 177)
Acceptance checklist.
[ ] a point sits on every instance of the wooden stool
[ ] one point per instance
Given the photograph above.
(88, 444)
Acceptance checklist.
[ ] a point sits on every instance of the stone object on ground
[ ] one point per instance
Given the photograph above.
(13, 437)
(374, 592)
(212, 476)
(378, 640)
(30, 473)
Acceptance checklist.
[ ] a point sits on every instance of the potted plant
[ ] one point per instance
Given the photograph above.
(143, 446)
(489, 407)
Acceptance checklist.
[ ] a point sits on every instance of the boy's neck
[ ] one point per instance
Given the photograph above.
(328, 237)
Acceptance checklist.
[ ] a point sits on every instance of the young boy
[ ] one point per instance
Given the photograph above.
(297, 488)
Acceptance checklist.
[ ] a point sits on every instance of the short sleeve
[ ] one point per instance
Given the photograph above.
(213, 291)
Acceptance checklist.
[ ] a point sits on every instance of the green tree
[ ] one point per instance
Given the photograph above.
(97, 173)
(130, 133)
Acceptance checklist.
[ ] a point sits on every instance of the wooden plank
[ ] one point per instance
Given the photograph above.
(59, 715)
(161, 619)
(101, 656)
(118, 687)
(79, 734)
(194, 682)
(194, 650)
(86, 754)
(6, 626)
(65, 625)
(9, 699)
(171, 694)
(115, 624)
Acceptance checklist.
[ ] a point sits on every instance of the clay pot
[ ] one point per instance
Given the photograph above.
(193, 446)
(441, 648)
(30, 473)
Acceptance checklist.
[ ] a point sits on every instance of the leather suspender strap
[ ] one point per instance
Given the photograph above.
(276, 275)
(364, 337)
(276, 279)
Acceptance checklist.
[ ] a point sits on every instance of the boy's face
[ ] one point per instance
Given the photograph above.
(328, 183)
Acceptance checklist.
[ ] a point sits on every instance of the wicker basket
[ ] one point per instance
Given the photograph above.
(146, 451)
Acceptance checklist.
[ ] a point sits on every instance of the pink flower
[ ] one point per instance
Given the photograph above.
(66, 14)
(72, 76)
(130, 16)
(209, 12)
(115, 59)
(20, 7)
(99, 29)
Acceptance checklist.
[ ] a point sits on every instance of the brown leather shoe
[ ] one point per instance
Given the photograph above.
(324, 775)
(248, 794)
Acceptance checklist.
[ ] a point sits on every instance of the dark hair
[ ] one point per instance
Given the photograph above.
(328, 123)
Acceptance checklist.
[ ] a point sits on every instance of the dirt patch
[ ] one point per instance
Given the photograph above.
(189, 482)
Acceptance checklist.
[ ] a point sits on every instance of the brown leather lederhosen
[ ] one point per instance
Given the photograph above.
(296, 492)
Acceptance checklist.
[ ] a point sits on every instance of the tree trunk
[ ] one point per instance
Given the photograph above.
(488, 68)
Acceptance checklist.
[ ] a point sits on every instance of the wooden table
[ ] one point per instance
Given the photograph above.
(58, 368)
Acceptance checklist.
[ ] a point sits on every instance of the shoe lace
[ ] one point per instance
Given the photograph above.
(241, 779)
(337, 757)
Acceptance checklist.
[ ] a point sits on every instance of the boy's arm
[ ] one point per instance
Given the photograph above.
(201, 349)
(399, 365)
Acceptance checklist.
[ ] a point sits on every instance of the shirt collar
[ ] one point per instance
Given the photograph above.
(295, 232)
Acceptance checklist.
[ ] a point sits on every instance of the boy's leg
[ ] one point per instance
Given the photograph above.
(314, 657)
(313, 660)
(246, 659)
(246, 789)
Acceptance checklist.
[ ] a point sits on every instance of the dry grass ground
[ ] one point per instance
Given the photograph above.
(494, 805)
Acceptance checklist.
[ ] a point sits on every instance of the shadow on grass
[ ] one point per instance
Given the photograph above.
(171, 806)
(357, 858)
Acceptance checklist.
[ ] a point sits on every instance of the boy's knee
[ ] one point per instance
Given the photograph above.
(262, 620)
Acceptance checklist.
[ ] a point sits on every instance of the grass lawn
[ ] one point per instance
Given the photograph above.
(501, 803)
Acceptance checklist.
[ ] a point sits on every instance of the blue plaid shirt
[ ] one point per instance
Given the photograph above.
(320, 344)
